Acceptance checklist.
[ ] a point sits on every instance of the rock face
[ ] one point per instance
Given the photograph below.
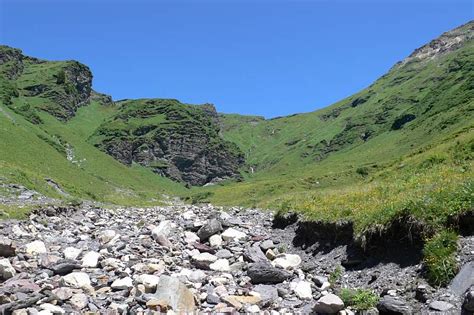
(63, 86)
(173, 139)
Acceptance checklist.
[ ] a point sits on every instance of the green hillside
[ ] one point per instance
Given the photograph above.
(419, 103)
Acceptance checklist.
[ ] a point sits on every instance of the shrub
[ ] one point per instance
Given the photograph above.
(335, 275)
(61, 77)
(359, 299)
(439, 258)
(363, 171)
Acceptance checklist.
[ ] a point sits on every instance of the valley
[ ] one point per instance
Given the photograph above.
(312, 199)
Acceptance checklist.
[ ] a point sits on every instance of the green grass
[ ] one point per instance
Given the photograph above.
(15, 212)
(359, 299)
(439, 257)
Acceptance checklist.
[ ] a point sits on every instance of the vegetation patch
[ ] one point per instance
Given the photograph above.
(439, 257)
(359, 299)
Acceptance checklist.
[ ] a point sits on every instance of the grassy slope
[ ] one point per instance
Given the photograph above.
(287, 155)
(29, 159)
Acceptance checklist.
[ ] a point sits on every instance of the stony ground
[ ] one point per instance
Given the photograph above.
(186, 258)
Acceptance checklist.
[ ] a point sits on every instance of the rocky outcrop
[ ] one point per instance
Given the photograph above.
(446, 43)
(63, 86)
(173, 139)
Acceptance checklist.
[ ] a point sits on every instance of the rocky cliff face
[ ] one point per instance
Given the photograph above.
(446, 43)
(57, 87)
(173, 139)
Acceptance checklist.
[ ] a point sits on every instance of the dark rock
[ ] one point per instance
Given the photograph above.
(463, 280)
(204, 248)
(64, 267)
(268, 293)
(254, 254)
(7, 247)
(213, 226)
(390, 305)
(266, 273)
(468, 303)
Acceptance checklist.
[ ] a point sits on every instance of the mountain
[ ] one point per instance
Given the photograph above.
(56, 129)
(421, 102)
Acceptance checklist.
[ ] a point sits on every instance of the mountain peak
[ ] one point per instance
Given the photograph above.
(444, 44)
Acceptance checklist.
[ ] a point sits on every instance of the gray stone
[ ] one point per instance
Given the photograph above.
(122, 284)
(268, 293)
(6, 269)
(440, 306)
(266, 245)
(64, 267)
(463, 280)
(393, 305)
(266, 273)
(35, 248)
(254, 254)
(328, 304)
(213, 226)
(79, 301)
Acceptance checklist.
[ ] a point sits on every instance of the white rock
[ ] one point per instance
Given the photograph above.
(90, 259)
(220, 265)
(188, 215)
(122, 284)
(35, 248)
(287, 261)
(205, 257)
(72, 253)
(233, 235)
(6, 269)
(215, 240)
(54, 309)
(18, 231)
(190, 237)
(106, 236)
(303, 290)
(163, 229)
(197, 276)
(79, 301)
(77, 280)
(149, 281)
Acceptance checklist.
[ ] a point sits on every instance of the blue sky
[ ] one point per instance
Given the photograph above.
(267, 58)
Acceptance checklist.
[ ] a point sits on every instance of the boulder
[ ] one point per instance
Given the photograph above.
(213, 226)
(164, 228)
(254, 254)
(328, 304)
(468, 303)
(149, 281)
(35, 248)
(266, 273)
(6, 269)
(71, 253)
(287, 261)
(303, 290)
(463, 280)
(215, 240)
(232, 234)
(393, 305)
(90, 259)
(220, 265)
(77, 280)
(440, 306)
(7, 247)
(172, 294)
(122, 284)
(203, 260)
(79, 301)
